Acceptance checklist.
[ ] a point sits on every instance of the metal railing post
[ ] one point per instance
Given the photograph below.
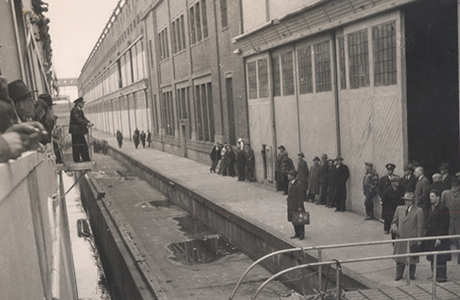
(338, 273)
(408, 264)
(320, 269)
(434, 264)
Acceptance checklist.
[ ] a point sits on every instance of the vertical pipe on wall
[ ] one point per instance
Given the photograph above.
(336, 92)
(18, 44)
(272, 117)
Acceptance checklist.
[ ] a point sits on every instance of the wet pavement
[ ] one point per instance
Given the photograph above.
(194, 261)
(266, 208)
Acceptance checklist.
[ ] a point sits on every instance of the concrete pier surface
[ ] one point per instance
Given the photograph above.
(262, 206)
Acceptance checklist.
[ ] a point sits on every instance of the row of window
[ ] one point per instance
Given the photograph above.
(129, 68)
(178, 34)
(163, 45)
(384, 64)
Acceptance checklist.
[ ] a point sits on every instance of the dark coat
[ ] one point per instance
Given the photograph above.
(438, 224)
(410, 226)
(339, 177)
(302, 170)
(453, 204)
(383, 185)
(391, 199)
(295, 198)
(215, 153)
(78, 122)
(408, 183)
(448, 180)
(421, 188)
(324, 173)
(313, 182)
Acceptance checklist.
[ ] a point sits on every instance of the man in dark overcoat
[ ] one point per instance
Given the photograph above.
(302, 172)
(119, 138)
(250, 163)
(391, 199)
(215, 157)
(339, 176)
(295, 202)
(313, 181)
(143, 136)
(451, 199)
(407, 223)
(323, 180)
(279, 168)
(385, 181)
(421, 188)
(136, 137)
(78, 128)
(241, 162)
(438, 224)
(408, 181)
(446, 176)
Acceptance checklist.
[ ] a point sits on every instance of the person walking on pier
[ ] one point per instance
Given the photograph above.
(215, 157)
(438, 224)
(407, 223)
(339, 177)
(370, 181)
(136, 138)
(119, 138)
(295, 199)
(149, 138)
(78, 128)
(143, 138)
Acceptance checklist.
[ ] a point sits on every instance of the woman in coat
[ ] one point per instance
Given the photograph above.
(438, 224)
(407, 223)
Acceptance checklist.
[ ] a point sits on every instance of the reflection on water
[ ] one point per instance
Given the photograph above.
(91, 282)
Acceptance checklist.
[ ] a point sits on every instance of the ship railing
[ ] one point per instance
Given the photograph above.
(320, 264)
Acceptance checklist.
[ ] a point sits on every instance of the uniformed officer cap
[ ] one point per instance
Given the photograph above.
(369, 164)
(390, 166)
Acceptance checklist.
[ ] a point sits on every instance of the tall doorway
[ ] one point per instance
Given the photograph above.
(432, 84)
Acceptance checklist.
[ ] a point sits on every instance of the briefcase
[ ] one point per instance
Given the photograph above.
(301, 218)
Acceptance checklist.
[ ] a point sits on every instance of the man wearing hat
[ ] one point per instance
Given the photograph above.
(451, 199)
(23, 101)
(279, 168)
(392, 198)
(215, 156)
(407, 223)
(323, 180)
(313, 181)
(446, 176)
(421, 189)
(45, 115)
(78, 128)
(408, 181)
(241, 160)
(303, 172)
(250, 163)
(385, 181)
(339, 176)
(296, 196)
(370, 181)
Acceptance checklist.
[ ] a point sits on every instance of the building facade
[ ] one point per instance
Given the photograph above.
(167, 67)
(364, 79)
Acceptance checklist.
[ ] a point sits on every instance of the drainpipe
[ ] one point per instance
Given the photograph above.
(272, 117)
(336, 93)
(16, 33)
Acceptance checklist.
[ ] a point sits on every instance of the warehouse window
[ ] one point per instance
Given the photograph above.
(323, 67)
(288, 73)
(305, 70)
(358, 52)
(223, 13)
(204, 112)
(384, 45)
(263, 77)
(252, 78)
(192, 25)
(178, 34)
(168, 113)
(163, 44)
(343, 79)
(198, 22)
(276, 76)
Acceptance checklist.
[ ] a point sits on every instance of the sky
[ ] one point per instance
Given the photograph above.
(75, 26)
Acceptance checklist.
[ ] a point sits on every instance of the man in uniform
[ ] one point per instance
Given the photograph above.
(78, 128)
(370, 181)
(385, 181)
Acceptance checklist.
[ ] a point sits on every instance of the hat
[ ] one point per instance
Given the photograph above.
(409, 196)
(47, 99)
(395, 178)
(390, 166)
(324, 156)
(281, 147)
(301, 154)
(444, 166)
(408, 167)
(240, 140)
(330, 159)
(79, 100)
(339, 158)
(436, 176)
(369, 164)
(293, 172)
(457, 174)
(17, 90)
(316, 158)
(415, 164)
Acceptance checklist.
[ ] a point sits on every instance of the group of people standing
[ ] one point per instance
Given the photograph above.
(413, 207)
(137, 137)
(242, 157)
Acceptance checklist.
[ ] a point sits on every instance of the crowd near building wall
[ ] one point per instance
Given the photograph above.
(315, 76)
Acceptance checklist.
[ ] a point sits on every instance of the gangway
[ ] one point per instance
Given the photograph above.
(338, 263)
